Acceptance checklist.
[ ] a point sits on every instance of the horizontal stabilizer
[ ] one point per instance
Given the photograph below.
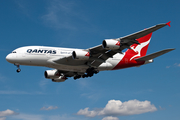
(154, 55)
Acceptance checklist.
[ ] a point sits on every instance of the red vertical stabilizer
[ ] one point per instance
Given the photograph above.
(136, 51)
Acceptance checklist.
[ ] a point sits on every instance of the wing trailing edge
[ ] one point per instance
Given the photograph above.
(154, 55)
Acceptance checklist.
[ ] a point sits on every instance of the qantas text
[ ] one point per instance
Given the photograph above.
(41, 51)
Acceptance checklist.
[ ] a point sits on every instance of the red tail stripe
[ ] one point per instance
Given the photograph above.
(135, 52)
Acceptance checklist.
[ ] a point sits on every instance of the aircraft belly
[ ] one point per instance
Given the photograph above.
(79, 68)
(31, 60)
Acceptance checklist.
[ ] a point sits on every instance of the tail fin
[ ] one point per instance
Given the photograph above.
(135, 52)
(140, 50)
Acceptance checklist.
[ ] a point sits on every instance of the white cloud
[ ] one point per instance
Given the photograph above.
(168, 66)
(110, 118)
(87, 113)
(117, 108)
(28, 117)
(177, 64)
(162, 108)
(49, 108)
(23, 116)
(3, 118)
(131, 107)
(7, 113)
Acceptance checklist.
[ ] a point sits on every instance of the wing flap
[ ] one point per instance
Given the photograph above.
(154, 55)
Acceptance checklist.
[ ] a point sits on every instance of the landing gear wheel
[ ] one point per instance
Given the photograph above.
(18, 70)
(17, 65)
(77, 77)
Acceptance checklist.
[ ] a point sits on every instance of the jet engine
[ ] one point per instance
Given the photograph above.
(110, 44)
(80, 55)
(51, 74)
(60, 79)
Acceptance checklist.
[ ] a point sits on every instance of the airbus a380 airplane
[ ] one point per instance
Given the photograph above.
(83, 63)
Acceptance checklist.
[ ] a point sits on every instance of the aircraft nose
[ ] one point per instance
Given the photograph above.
(9, 58)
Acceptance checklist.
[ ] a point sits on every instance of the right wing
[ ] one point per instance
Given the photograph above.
(98, 54)
(102, 54)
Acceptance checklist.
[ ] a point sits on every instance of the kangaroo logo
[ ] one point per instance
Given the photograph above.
(137, 49)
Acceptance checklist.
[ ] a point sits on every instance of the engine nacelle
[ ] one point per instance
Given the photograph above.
(60, 79)
(51, 74)
(110, 44)
(80, 55)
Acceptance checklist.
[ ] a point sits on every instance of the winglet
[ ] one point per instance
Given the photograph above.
(168, 23)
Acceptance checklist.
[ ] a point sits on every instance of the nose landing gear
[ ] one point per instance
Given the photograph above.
(18, 66)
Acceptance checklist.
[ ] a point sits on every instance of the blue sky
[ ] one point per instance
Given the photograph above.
(83, 24)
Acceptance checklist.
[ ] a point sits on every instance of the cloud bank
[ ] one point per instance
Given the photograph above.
(118, 108)
(110, 118)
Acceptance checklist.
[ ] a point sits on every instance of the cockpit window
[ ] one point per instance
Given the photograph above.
(14, 52)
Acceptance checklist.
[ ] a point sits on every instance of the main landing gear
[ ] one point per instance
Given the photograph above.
(89, 73)
(18, 66)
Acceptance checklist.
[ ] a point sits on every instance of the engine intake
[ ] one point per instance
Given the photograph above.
(51, 74)
(80, 55)
(110, 44)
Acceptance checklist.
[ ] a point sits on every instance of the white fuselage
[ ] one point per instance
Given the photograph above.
(83, 63)
(44, 56)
